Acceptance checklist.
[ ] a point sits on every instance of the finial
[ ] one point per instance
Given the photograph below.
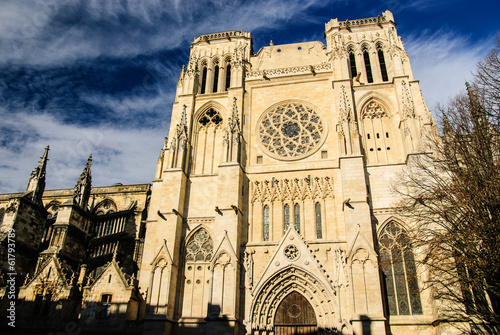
(271, 42)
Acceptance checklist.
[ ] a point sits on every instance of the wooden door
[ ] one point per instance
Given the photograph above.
(295, 315)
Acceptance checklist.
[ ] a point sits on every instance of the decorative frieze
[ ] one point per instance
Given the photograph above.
(287, 71)
(292, 189)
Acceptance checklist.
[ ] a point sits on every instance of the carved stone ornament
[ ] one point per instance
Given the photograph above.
(291, 252)
(374, 111)
(291, 130)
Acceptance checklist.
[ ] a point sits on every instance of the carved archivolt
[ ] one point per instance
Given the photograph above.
(279, 286)
(292, 189)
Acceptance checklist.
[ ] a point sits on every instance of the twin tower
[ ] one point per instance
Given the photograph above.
(272, 190)
(271, 211)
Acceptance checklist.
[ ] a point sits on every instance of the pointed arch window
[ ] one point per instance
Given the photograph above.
(216, 78)
(296, 211)
(399, 271)
(266, 223)
(228, 76)
(352, 64)
(286, 215)
(200, 247)
(368, 67)
(203, 80)
(319, 228)
(383, 68)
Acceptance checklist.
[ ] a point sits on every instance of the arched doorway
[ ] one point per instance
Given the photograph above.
(295, 315)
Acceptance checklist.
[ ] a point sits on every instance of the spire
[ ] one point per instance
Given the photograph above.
(36, 184)
(81, 192)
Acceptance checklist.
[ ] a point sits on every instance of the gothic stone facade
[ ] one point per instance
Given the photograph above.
(270, 212)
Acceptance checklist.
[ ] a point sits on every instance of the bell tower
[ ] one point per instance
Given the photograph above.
(195, 214)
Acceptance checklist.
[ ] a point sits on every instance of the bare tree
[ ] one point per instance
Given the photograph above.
(453, 198)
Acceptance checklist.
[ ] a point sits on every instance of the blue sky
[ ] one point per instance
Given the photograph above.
(92, 76)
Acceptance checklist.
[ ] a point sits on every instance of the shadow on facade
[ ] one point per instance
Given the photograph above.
(366, 325)
(64, 318)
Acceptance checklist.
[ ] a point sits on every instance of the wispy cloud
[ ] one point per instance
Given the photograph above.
(90, 76)
(61, 30)
(120, 155)
(443, 61)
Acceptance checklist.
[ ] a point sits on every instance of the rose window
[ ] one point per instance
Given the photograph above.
(292, 130)
(291, 252)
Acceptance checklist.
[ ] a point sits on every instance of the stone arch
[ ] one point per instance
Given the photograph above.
(398, 269)
(365, 46)
(389, 220)
(227, 58)
(351, 47)
(377, 130)
(196, 269)
(207, 106)
(208, 138)
(204, 62)
(192, 235)
(52, 208)
(379, 45)
(223, 267)
(105, 206)
(372, 95)
(277, 288)
(215, 60)
(295, 314)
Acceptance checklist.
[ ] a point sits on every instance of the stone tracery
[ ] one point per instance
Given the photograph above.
(291, 130)
(200, 247)
(279, 286)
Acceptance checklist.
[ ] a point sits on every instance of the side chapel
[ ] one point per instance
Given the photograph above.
(271, 209)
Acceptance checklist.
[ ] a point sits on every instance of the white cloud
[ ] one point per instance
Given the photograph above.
(119, 155)
(443, 61)
(61, 31)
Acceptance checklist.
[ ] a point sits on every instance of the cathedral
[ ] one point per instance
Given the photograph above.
(271, 210)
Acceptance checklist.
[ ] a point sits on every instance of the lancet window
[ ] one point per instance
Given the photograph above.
(381, 60)
(352, 63)
(295, 217)
(296, 212)
(266, 223)
(368, 66)
(319, 227)
(208, 137)
(286, 216)
(399, 271)
(216, 78)
(228, 76)
(204, 80)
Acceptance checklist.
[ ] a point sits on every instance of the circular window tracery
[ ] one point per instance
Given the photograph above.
(292, 130)
(291, 252)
